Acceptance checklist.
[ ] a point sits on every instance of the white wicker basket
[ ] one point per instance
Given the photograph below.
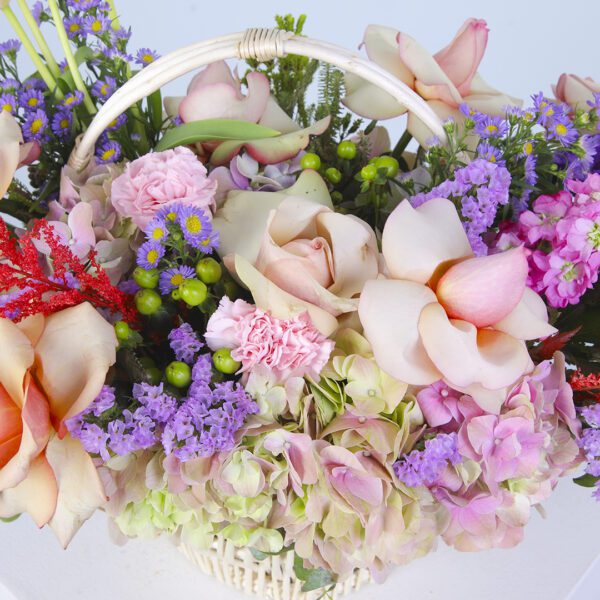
(273, 578)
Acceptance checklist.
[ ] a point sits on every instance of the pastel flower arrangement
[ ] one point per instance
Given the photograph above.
(307, 341)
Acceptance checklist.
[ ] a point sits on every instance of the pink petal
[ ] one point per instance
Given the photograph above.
(11, 428)
(10, 140)
(274, 117)
(80, 224)
(485, 289)
(460, 59)
(389, 312)
(528, 320)
(465, 355)
(16, 356)
(217, 72)
(417, 241)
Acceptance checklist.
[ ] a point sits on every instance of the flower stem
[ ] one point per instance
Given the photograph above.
(39, 38)
(43, 70)
(64, 42)
(114, 17)
(401, 145)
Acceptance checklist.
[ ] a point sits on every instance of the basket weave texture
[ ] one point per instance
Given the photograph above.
(269, 579)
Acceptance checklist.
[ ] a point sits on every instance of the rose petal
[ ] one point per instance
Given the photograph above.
(389, 312)
(465, 355)
(528, 320)
(80, 491)
(16, 356)
(74, 354)
(11, 428)
(485, 289)
(417, 241)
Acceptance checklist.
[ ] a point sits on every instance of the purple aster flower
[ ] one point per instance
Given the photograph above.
(61, 124)
(104, 89)
(185, 343)
(491, 127)
(72, 99)
(109, 152)
(115, 54)
(530, 172)
(595, 103)
(8, 103)
(10, 48)
(31, 100)
(562, 129)
(490, 153)
(157, 230)
(83, 5)
(149, 255)
(177, 121)
(117, 123)
(129, 286)
(97, 24)
(122, 34)
(38, 11)
(35, 126)
(195, 225)
(9, 85)
(35, 83)
(424, 467)
(171, 279)
(146, 56)
(74, 27)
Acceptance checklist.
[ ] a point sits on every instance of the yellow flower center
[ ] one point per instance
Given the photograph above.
(107, 155)
(193, 224)
(171, 216)
(74, 27)
(549, 112)
(33, 102)
(69, 100)
(64, 123)
(36, 125)
(147, 58)
(152, 256)
(491, 129)
(96, 26)
(158, 234)
(177, 279)
(560, 129)
(7, 107)
(528, 148)
(104, 89)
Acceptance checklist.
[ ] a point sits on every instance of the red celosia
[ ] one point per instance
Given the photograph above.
(587, 386)
(38, 285)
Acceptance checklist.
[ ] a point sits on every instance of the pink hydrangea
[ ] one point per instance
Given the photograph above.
(444, 407)
(288, 347)
(161, 178)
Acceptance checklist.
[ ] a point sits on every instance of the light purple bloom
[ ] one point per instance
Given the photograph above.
(35, 126)
(10, 47)
(171, 279)
(104, 88)
(185, 343)
(146, 56)
(109, 152)
(32, 100)
(149, 255)
(61, 124)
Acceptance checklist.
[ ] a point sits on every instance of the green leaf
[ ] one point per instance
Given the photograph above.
(214, 130)
(9, 519)
(313, 579)
(586, 480)
(83, 54)
(260, 555)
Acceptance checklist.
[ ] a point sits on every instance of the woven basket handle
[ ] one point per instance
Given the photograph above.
(260, 44)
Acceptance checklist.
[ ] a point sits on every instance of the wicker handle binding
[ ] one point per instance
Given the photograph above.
(260, 44)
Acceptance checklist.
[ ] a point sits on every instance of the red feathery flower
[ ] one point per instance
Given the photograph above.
(36, 285)
(587, 386)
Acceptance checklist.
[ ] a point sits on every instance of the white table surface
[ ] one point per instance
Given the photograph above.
(549, 565)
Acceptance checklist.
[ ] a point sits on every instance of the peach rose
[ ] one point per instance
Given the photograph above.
(576, 91)
(50, 369)
(445, 80)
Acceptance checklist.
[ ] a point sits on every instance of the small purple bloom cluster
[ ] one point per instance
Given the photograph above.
(424, 467)
(185, 343)
(590, 444)
(481, 188)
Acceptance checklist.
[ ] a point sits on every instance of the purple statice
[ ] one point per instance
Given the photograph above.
(592, 415)
(146, 56)
(490, 127)
(424, 467)
(208, 421)
(31, 100)
(74, 27)
(97, 24)
(120, 440)
(109, 152)
(104, 88)
(8, 103)
(94, 440)
(149, 255)
(201, 372)
(61, 124)
(157, 404)
(35, 126)
(185, 343)
(72, 99)
(481, 187)
(171, 279)
(10, 48)
(104, 401)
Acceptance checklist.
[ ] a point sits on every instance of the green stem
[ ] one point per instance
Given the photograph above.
(401, 145)
(64, 42)
(30, 49)
(39, 38)
(114, 17)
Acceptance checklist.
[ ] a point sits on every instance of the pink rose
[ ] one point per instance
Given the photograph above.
(161, 178)
(576, 91)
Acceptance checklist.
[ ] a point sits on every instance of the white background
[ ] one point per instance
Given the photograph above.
(531, 43)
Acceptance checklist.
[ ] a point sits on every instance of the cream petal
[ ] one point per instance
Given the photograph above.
(416, 241)
(10, 140)
(465, 355)
(80, 491)
(528, 320)
(490, 401)
(217, 72)
(389, 312)
(370, 101)
(74, 354)
(420, 131)
(279, 303)
(276, 118)
(242, 221)
(35, 495)
(16, 356)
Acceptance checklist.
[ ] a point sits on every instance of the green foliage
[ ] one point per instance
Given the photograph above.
(314, 579)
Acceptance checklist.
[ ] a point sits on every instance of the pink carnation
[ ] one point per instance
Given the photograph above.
(289, 347)
(160, 178)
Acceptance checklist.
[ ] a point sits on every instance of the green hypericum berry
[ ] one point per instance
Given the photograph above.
(389, 163)
(368, 172)
(209, 270)
(193, 292)
(122, 331)
(346, 150)
(224, 363)
(176, 294)
(178, 374)
(144, 278)
(333, 175)
(310, 161)
(147, 302)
